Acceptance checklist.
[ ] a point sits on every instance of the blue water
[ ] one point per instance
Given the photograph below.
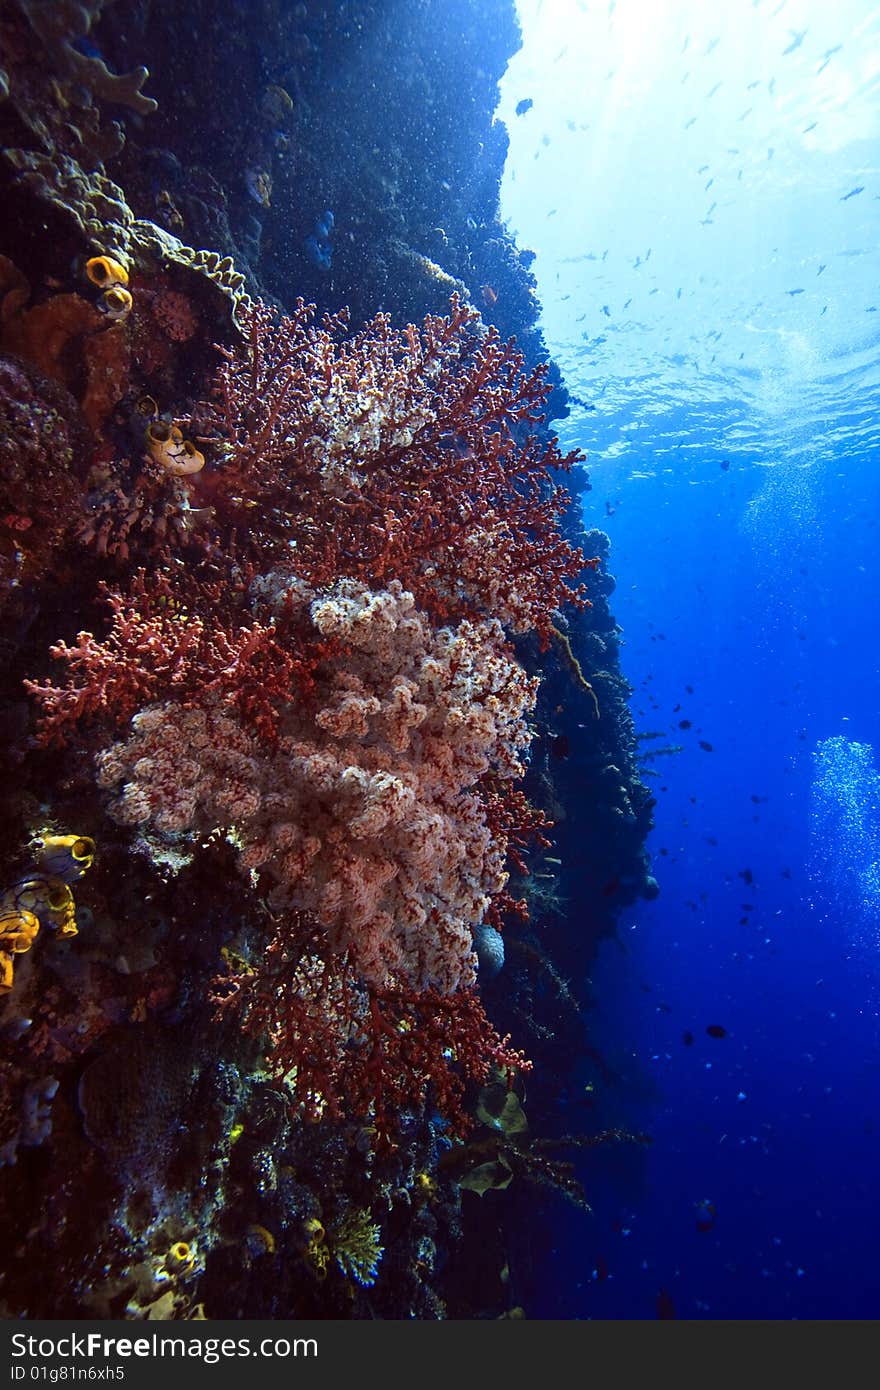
(732, 450)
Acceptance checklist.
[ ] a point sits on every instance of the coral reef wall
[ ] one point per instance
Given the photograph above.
(312, 713)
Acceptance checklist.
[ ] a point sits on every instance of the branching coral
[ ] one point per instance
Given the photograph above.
(160, 647)
(402, 455)
(357, 1246)
(348, 1048)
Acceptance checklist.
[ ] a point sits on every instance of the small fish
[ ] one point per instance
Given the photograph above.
(687, 1038)
(724, 465)
(665, 1305)
(488, 295)
(828, 55)
(523, 106)
(715, 1030)
(276, 104)
(706, 747)
(746, 875)
(318, 252)
(798, 36)
(852, 193)
(705, 1214)
(259, 186)
(684, 724)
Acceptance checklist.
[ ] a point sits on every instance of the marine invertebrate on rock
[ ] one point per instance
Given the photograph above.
(173, 312)
(398, 455)
(41, 438)
(105, 272)
(356, 1243)
(60, 26)
(98, 208)
(115, 303)
(66, 857)
(35, 1124)
(50, 900)
(180, 1259)
(42, 897)
(138, 511)
(317, 1254)
(18, 929)
(46, 335)
(167, 447)
(353, 716)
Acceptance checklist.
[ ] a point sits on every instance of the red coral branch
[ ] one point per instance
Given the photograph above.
(397, 455)
(357, 1052)
(160, 648)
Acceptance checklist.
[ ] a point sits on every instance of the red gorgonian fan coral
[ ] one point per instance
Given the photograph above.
(396, 454)
(361, 1050)
(166, 646)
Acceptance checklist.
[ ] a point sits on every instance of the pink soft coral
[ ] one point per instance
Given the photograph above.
(367, 813)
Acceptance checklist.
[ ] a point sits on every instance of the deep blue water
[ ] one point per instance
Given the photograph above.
(776, 1124)
(709, 279)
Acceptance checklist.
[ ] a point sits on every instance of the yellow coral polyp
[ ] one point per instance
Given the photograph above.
(180, 1258)
(49, 899)
(104, 271)
(167, 447)
(18, 930)
(260, 1241)
(425, 1184)
(115, 303)
(318, 1257)
(66, 857)
(61, 907)
(316, 1252)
